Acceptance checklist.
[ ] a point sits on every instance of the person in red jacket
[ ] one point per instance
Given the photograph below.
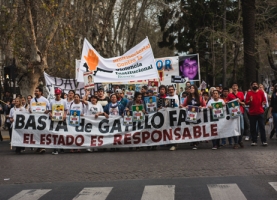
(256, 99)
(235, 94)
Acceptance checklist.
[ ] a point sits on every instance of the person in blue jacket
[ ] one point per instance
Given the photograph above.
(114, 108)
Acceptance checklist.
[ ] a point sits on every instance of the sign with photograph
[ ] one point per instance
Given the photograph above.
(217, 110)
(153, 85)
(137, 111)
(38, 107)
(129, 94)
(151, 104)
(74, 117)
(192, 112)
(127, 118)
(189, 66)
(57, 112)
(88, 80)
(234, 108)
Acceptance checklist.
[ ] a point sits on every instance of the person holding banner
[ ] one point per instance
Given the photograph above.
(102, 99)
(93, 107)
(58, 102)
(39, 104)
(114, 108)
(215, 99)
(77, 105)
(17, 108)
(162, 92)
(240, 97)
(194, 99)
(137, 101)
(121, 100)
(70, 98)
(172, 95)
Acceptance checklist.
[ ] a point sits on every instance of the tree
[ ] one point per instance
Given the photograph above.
(249, 15)
(30, 41)
(48, 35)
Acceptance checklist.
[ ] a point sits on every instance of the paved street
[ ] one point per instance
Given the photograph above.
(254, 188)
(130, 172)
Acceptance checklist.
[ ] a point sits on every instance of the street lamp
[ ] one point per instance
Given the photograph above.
(207, 57)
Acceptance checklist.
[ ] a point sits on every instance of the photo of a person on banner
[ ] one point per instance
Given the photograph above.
(189, 67)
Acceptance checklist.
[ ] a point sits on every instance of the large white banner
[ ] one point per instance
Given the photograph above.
(164, 127)
(64, 84)
(136, 64)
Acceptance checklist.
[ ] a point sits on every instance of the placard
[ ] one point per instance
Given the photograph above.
(127, 118)
(57, 112)
(74, 117)
(38, 107)
(217, 110)
(138, 114)
(192, 112)
(151, 104)
(234, 108)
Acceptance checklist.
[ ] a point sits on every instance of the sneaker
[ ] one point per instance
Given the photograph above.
(55, 153)
(173, 148)
(42, 151)
(194, 147)
(88, 150)
(214, 148)
(253, 144)
(236, 146)
(246, 138)
(61, 150)
(95, 149)
(264, 144)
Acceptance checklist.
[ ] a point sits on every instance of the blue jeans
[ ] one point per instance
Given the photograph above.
(254, 119)
(223, 140)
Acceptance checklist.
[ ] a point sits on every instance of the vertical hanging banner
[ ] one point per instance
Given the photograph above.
(136, 64)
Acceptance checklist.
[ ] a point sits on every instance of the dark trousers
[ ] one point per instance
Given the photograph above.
(254, 119)
(10, 130)
(216, 142)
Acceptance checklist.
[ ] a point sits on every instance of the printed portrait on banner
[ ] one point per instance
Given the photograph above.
(88, 80)
(189, 67)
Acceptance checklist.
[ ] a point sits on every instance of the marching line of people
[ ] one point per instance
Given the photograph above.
(256, 107)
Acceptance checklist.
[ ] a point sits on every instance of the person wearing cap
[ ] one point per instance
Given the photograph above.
(61, 103)
(150, 93)
(220, 88)
(121, 100)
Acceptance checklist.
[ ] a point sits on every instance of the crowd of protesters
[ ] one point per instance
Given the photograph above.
(257, 108)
